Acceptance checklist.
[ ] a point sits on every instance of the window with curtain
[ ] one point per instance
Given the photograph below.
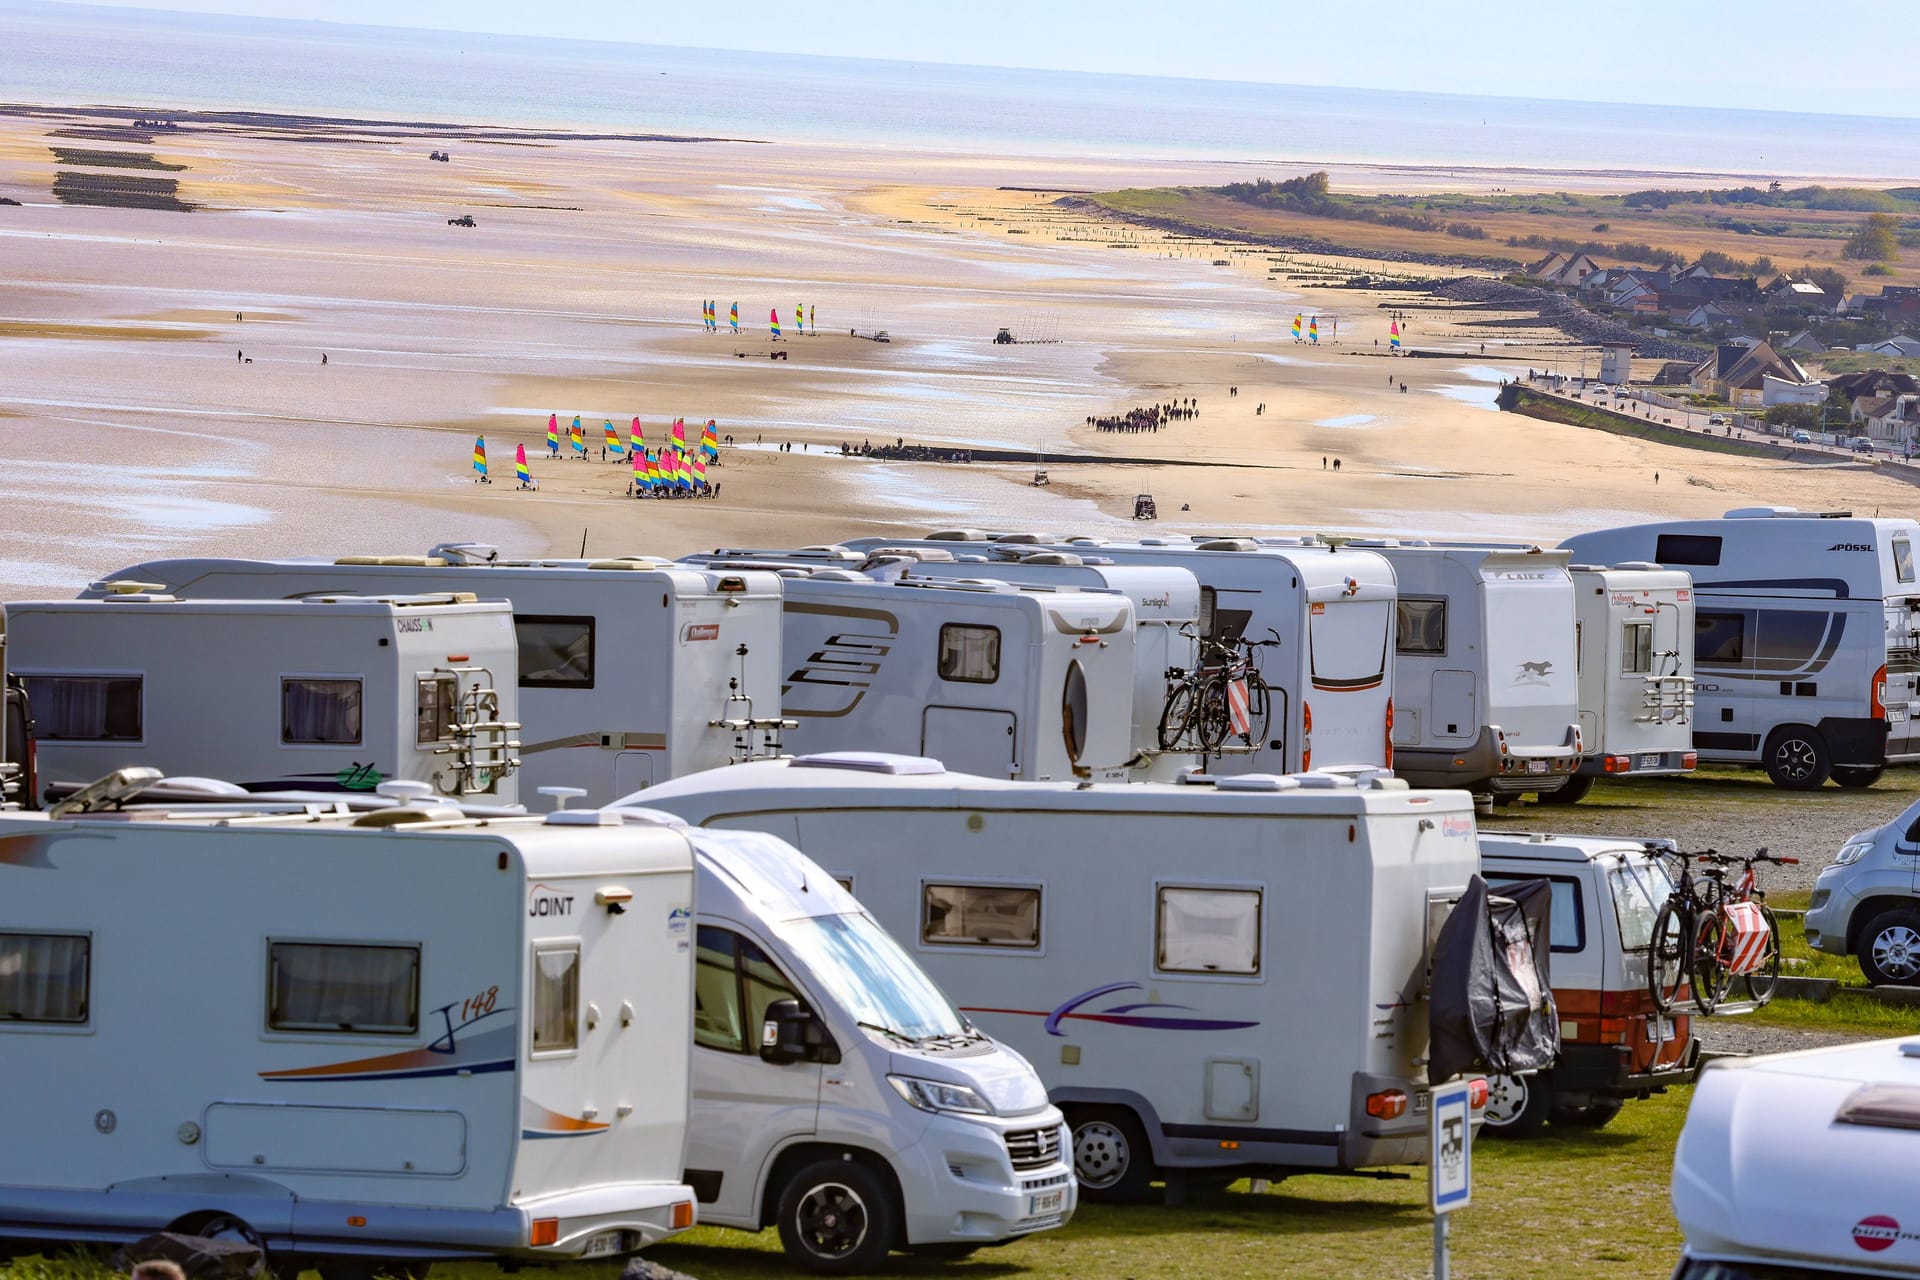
(1209, 931)
(1636, 648)
(317, 986)
(323, 712)
(44, 977)
(556, 998)
(86, 708)
(980, 915)
(969, 654)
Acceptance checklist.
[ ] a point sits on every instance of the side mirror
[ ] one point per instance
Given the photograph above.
(791, 1033)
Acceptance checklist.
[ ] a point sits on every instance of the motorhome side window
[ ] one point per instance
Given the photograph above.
(555, 652)
(436, 703)
(1687, 548)
(1422, 625)
(556, 998)
(1719, 639)
(343, 987)
(1788, 639)
(44, 977)
(1207, 931)
(1209, 602)
(980, 915)
(1903, 559)
(1636, 648)
(320, 711)
(733, 983)
(969, 654)
(87, 708)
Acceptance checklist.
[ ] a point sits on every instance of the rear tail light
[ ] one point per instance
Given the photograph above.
(1878, 694)
(1388, 1104)
(1306, 732)
(1690, 760)
(1618, 764)
(1501, 734)
(1477, 1094)
(1389, 751)
(546, 1231)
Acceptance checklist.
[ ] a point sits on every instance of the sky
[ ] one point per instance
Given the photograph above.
(1756, 54)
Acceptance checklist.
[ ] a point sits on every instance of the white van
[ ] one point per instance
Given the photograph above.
(1633, 636)
(358, 1042)
(1614, 1045)
(1798, 1165)
(631, 670)
(1806, 649)
(1484, 667)
(1210, 980)
(329, 693)
(838, 1094)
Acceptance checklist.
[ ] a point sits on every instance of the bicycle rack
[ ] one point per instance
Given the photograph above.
(744, 725)
(482, 745)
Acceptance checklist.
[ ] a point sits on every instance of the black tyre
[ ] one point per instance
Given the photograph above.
(837, 1217)
(1259, 710)
(1760, 983)
(1576, 789)
(1111, 1157)
(1517, 1106)
(1211, 714)
(1595, 1115)
(1857, 777)
(1889, 949)
(1176, 718)
(1712, 979)
(1667, 957)
(1797, 758)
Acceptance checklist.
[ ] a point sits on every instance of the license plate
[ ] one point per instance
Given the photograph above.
(1661, 1030)
(1042, 1203)
(1650, 760)
(1420, 1103)
(604, 1243)
(1896, 715)
(1536, 766)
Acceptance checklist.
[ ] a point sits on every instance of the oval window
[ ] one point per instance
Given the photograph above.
(1073, 711)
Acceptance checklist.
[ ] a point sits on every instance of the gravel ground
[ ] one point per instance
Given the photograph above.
(1737, 1035)
(1734, 811)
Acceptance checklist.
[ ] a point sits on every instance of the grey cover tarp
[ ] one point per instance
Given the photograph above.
(1492, 1007)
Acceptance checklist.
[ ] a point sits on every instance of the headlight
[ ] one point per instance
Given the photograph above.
(1852, 853)
(935, 1095)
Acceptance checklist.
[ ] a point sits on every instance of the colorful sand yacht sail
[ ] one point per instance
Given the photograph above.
(653, 471)
(636, 439)
(699, 468)
(710, 440)
(520, 469)
(733, 317)
(773, 321)
(679, 435)
(553, 434)
(1296, 327)
(1393, 335)
(1313, 330)
(480, 455)
(799, 319)
(576, 437)
(613, 444)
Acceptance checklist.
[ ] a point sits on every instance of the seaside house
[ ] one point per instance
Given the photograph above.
(1567, 272)
(1891, 419)
(1897, 304)
(1708, 315)
(1788, 294)
(1546, 267)
(1803, 343)
(1898, 345)
(1745, 373)
(1858, 389)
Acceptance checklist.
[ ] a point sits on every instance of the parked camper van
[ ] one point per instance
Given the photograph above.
(1486, 692)
(1805, 642)
(838, 1094)
(1634, 637)
(1148, 946)
(1331, 609)
(631, 670)
(358, 1041)
(1614, 1045)
(1792, 1165)
(329, 693)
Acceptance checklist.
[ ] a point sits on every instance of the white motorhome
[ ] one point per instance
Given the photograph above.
(1805, 644)
(1209, 978)
(838, 1094)
(1330, 678)
(327, 693)
(1166, 613)
(1633, 635)
(631, 670)
(1794, 1165)
(358, 1042)
(1486, 694)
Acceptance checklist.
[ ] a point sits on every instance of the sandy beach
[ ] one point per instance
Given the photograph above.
(139, 417)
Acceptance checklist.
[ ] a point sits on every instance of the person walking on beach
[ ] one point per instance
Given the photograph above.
(1323, 462)
(1336, 464)
(323, 357)
(238, 356)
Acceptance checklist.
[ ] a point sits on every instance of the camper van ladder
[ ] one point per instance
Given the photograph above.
(483, 747)
(736, 716)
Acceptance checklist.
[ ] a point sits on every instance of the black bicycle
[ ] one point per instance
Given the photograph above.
(1222, 700)
(1701, 940)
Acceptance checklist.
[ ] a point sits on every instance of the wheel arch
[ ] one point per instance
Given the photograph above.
(801, 1154)
(1143, 1110)
(1867, 910)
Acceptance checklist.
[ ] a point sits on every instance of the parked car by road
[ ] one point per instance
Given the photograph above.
(1801, 437)
(1868, 902)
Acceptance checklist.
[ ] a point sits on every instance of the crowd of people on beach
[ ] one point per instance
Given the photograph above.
(901, 451)
(1150, 417)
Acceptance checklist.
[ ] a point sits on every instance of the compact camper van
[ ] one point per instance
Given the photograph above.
(1487, 697)
(1805, 640)
(327, 693)
(1329, 677)
(362, 1042)
(631, 670)
(1146, 946)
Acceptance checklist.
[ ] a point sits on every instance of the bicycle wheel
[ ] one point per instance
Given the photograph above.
(1761, 980)
(1667, 956)
(1712, 978)
(1176, 718)
(1212, 718)
(1259, 710)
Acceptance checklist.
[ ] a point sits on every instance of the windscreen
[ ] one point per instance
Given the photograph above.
(866, 971)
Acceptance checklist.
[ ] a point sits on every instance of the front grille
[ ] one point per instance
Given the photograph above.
(1034, 1148)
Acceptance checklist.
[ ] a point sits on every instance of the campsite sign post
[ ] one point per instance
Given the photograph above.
(1449, 1162)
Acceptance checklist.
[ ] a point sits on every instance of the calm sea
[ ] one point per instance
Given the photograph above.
(66, 54)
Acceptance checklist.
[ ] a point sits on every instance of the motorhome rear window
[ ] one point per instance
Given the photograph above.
(1201, 930)
(1347, 644)
(344, 987)
(1422, 626)
(44, 977)
(980, 915)
(435, 703)
(87, 708)
(1636, 648)
(556, 998)
(555, 652)
(319, 711)
(1687, 548)
(1903, 559)
(1719, 639)
(733, 983)
(969, 654)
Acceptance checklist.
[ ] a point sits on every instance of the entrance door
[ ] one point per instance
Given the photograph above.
(1453, 705)
(968, 740)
